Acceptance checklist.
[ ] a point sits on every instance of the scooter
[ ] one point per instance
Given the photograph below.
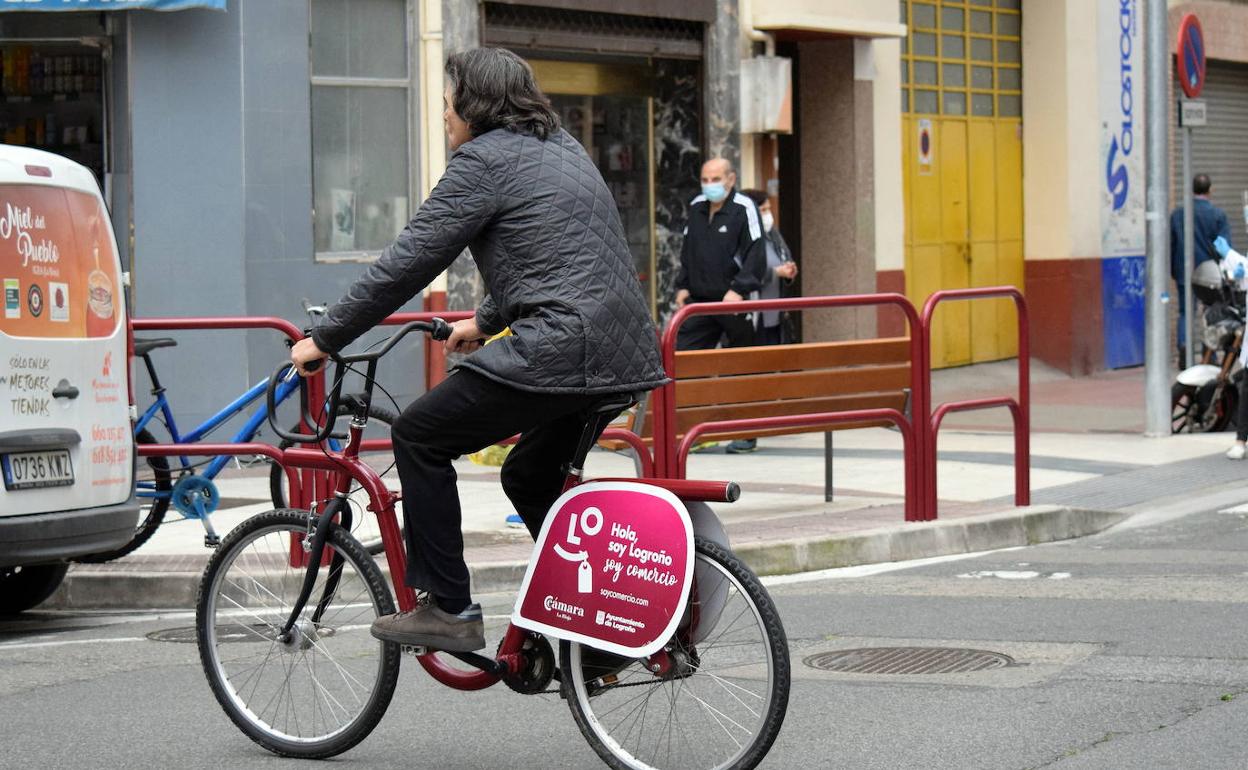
(1204, 397)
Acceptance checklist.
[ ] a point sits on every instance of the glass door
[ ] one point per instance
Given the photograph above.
(609, 110)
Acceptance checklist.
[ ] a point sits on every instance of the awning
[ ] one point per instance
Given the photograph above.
(108, 5)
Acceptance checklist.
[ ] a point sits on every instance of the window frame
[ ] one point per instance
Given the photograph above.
(411, 87)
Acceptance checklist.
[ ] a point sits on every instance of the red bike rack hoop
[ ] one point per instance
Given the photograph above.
(1020, 409)
(666, 457)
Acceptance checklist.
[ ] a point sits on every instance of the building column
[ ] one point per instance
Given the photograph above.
(461, 31)
(1062, 184)
(837, 187)
(722, 84)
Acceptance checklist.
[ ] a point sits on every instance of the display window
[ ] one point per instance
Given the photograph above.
(53, 99)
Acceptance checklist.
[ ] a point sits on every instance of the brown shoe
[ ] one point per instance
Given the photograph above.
(429, 626)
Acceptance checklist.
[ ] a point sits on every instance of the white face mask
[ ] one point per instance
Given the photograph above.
(768, 221)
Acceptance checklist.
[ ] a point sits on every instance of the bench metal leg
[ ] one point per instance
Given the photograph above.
(827, 467)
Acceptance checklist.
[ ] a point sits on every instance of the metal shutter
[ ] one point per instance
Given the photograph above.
(1220, 149)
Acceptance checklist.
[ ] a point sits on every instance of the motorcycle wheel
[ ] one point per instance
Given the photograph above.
(1182, 408)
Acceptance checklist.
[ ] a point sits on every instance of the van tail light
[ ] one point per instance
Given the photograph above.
(39, 171)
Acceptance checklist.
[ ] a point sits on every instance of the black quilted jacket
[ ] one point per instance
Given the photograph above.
(546, 236)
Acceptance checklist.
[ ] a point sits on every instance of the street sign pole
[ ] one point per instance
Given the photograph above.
(1157, 204)
(1189, 260)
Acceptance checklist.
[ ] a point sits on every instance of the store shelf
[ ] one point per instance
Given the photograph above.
(85, 96)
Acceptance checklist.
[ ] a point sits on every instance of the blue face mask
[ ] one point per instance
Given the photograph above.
(715, 192)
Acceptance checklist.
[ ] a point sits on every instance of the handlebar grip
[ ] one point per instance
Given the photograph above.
(441, 330)
(313, 366)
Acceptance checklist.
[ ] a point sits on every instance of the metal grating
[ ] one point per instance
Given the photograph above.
(908, 660)
(557, 29)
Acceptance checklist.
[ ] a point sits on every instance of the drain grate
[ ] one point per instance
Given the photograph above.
(237, 632)
(908, 660)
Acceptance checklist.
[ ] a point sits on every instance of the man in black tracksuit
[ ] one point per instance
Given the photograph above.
(723, 259)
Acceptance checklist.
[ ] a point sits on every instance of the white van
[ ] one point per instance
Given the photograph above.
(66, 445)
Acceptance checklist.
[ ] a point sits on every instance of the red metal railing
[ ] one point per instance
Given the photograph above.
(1020, 408)
(669, 458)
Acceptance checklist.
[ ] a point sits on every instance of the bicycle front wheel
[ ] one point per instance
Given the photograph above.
(721, 705)
(323, 690)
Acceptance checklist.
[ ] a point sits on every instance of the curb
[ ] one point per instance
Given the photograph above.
(105, 589)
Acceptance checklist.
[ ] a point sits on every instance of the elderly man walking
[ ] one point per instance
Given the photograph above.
(1208, 222)
(723, 259)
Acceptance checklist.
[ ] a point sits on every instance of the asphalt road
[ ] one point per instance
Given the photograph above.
(1131, 651)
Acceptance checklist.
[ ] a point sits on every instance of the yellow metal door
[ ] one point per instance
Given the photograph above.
(961, 89)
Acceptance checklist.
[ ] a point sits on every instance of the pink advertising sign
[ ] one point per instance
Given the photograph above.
(612, 568)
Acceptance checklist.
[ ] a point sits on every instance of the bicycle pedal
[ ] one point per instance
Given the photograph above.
(212, 541)
(413, 649)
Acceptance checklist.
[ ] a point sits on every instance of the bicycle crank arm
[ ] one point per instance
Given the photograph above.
(314, 562)
(490, 666)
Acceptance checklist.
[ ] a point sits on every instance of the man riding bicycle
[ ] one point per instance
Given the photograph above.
(545, 233)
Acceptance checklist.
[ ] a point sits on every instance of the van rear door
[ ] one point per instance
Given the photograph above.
(65, 435)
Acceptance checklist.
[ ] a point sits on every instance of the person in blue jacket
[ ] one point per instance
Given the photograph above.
(1209, 222)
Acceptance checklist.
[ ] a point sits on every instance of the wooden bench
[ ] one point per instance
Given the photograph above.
(784, 380)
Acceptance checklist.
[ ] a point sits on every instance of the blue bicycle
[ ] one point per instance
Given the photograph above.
(189, 486)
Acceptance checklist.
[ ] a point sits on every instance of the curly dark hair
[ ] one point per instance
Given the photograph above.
(494, 88)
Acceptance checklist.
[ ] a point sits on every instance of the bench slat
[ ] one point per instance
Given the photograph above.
(686, 418)
(799, 357)
(749, 388)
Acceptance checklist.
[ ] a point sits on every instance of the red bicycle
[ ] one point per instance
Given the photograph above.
(287, 600)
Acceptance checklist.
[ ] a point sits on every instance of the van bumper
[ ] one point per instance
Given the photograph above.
(46, 537)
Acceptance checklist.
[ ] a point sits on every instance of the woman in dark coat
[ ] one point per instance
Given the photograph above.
(545, 233)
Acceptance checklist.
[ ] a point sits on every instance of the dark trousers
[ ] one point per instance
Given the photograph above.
(1241, 413)
(703, 332)
(464, 414)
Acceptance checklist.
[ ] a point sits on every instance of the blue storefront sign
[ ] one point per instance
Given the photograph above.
(1121, 87)
(108, 5)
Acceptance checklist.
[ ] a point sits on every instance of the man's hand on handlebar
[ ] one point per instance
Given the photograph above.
(465, 337)
(304, 353)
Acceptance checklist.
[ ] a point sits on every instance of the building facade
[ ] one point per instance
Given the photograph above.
(261, 154)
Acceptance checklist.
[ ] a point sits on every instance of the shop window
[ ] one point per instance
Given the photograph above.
(362, 91)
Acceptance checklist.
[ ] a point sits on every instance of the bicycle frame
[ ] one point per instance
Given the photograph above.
(244, 434)
(348, 468)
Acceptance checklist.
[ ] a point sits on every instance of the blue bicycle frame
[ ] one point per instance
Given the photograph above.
(245, 434)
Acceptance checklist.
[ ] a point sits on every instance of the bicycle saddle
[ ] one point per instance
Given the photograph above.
(143, 347)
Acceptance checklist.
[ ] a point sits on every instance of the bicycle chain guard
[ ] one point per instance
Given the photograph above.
(195, 496)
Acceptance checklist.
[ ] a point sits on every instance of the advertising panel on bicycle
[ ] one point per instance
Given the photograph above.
(612, 569)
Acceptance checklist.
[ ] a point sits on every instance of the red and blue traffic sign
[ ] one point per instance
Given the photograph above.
(1191, 56)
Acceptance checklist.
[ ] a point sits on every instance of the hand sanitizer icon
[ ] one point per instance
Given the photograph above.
(585, 578)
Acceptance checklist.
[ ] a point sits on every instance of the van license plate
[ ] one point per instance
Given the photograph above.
(33, 470)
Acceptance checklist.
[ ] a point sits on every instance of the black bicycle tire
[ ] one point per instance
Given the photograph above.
(278, 495)
(776, 639)
(155, 515)
(380, 593)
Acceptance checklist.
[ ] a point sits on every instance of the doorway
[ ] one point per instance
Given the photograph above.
(962, 155)
(609, 109)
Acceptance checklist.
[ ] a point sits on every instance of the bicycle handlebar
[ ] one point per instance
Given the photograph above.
(437, 328)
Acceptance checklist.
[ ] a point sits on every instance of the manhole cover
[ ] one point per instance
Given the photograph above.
(240, 632)
(908, 660)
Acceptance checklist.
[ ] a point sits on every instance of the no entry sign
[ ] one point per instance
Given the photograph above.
(1191, 56)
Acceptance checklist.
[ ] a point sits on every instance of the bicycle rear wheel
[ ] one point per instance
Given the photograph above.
(153, 484)
(721, 706)
(325, 689)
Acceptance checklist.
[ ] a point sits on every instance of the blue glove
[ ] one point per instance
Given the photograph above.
(1239, 272)
(1221, 246)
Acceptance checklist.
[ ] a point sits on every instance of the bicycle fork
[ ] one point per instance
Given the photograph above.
(314, 552)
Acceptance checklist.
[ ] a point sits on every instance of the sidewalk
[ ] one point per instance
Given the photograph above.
(1089, 463)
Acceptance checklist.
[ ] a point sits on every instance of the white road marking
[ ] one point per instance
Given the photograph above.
(1005, 574)
(67, 642)
(1239, 510)
(867, 570)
